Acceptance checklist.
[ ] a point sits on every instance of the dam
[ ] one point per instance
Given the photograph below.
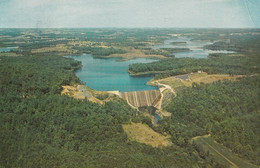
(111, 75)
(142, 98)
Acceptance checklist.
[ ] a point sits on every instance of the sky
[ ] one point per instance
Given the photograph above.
(129, 13)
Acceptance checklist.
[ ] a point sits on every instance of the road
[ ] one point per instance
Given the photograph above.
(163, 87)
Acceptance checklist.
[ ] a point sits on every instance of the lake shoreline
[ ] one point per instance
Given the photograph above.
(110, 75)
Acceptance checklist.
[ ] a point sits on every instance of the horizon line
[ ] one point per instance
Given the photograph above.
(129, 27)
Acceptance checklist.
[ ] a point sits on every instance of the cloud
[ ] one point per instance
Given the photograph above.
(213, 1)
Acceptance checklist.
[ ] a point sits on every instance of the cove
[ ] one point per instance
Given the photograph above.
(111, 74)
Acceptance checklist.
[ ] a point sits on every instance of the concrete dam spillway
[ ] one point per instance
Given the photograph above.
(142, 98)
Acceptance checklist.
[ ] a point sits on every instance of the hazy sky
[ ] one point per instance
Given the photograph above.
(129, 13)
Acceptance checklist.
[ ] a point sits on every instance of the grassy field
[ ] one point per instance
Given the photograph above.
(207, 146)
(205, 78)
(63, 49)
(174, 82)
(144, 134)
(59, 48)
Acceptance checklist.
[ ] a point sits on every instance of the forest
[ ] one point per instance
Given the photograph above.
(216, 63)
(228, 111)
(39, 127)
(98, 51)
(167, 52)
(245, 43)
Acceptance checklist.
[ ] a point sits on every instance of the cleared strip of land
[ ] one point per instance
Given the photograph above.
(220, 153)
(144, 134)
(186, 80)
(83, 92)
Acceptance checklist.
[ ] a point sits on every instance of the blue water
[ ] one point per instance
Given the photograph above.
(110, 74)
(156, 118)
(196, 48)
(7, 49)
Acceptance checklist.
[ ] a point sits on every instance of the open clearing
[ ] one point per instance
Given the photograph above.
(83, 92)
(176, 82)
(144, 134)
(60, 48)
(170, 86)
(205, 78)
(220, 153)
(65, 49)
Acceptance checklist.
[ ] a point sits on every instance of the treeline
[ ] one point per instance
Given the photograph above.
(41, 44)
(99, 51)
(158, 52)
(228, 111)
(178, 43)
(167, 52)
(41, 128)
(245, 43)
(31, 76)
(216, 63)
(175, 50)
(48, 37)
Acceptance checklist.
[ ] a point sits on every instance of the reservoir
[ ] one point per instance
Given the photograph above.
(7, 49)
(196, 48)
(111, 74)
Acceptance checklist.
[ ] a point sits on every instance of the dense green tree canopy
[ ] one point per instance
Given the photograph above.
(39, 127)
